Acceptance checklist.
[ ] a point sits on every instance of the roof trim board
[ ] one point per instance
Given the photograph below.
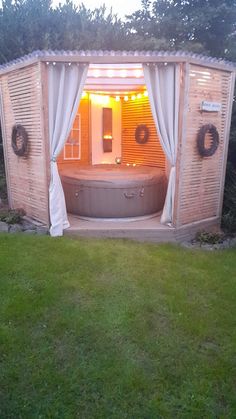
(117, 57)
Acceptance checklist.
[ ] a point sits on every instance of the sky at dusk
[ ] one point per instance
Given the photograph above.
(120, 7)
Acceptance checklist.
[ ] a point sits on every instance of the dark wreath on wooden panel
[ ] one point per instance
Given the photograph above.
(142, 134)
(19, 140)
(211, 131)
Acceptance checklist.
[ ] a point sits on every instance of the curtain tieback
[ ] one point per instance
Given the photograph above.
(53, 159)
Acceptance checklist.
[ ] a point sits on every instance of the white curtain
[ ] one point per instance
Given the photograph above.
(65, 86)
(163, 83)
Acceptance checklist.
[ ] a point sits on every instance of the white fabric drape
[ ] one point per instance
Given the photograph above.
(162, 83)
(65, 86)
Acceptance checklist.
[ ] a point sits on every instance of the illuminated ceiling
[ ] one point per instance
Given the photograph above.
(115, 78)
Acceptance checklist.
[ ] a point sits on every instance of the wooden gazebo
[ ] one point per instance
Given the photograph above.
(205, 89)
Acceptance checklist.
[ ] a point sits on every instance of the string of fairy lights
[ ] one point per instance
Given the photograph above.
(101, 74)
(101, 97)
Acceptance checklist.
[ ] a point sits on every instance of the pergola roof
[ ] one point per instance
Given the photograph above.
(110, 57)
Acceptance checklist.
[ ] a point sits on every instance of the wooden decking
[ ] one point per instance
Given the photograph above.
(143, 230)
(150, 230)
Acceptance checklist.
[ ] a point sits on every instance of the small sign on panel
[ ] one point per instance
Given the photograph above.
(210, 106)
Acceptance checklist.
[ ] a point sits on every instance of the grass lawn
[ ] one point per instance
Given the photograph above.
(116, 329)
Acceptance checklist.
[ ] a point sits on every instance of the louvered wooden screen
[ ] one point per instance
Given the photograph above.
(201, 178)
(134, 113)
(27, 178)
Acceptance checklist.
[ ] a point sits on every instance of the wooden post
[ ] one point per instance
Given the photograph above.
(182, 139)
(45, 128)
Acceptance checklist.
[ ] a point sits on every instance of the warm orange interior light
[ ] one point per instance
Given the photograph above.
(100, 99)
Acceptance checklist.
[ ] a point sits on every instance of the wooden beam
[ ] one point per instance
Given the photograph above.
(182, 141)
(131, 58)
(138, 58)
(45, 128)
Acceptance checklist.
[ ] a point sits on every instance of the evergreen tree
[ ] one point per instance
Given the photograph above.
(200, 25)
(28, 25)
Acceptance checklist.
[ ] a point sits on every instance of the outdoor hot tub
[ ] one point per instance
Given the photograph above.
(114, 191)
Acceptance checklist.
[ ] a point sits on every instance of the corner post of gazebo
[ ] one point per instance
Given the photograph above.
(44, 116)
(183, 106)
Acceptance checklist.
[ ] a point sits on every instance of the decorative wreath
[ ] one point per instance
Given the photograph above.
(207, 129)
(19, 140)
(141, 134)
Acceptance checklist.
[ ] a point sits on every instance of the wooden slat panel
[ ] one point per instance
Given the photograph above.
(22, 101)
(136, 113)
(201, 178)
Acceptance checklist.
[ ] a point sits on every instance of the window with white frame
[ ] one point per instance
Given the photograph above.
(73, 143)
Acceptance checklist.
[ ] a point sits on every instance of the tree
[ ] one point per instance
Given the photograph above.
(202, 25)
(23, 27)
(28, 25)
